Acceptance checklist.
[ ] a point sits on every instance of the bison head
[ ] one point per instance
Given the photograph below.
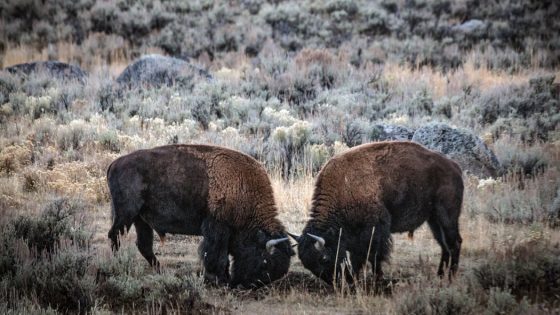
(320, 252)
(261, 259)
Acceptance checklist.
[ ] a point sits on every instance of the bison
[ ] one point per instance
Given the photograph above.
(380, 188)
(221, 194)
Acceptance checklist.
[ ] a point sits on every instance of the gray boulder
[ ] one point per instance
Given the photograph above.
(462, 146)
(471, 28)
(158, 70)
(383, 132)
(54, 69)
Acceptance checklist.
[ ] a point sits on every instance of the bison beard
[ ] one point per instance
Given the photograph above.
(221, 194)
(383, 188)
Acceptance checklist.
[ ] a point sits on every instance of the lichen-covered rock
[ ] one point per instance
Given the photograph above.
(471, 28)
(462, 146)
(56, 69)
(384, 132)
(157, 70)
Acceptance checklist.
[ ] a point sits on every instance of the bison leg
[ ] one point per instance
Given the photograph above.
(381, 246)
(449, 239)
(214, 251)
(145, 241)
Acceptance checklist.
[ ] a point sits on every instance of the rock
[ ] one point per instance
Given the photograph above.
(157, 70)
(55, 69)
(382, 132)
(472, 27)
(462, 146)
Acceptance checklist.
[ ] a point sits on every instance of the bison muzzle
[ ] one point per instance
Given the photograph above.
(218, 193)
(371, 191)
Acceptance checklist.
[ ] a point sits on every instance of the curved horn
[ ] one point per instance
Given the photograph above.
(320, 244)
(270, 244)
(295, 237)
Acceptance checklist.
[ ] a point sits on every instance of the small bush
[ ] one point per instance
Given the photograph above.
(421, 104)
(110, 141)
(31, 181)
(73, 135)
(318, 154)
(554, 210)
(521, 158)
(14, 157)
(451, 300)
(46, 259)
(514, 199)
(530, 269)
(8, 84)
(530, 113)
(289, 142)
(123, 282)
(63, 281)
(55, 223)
(503, 302)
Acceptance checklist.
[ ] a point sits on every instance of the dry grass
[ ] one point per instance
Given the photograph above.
(453, 83)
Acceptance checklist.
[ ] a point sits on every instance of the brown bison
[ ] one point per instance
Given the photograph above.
(387, 187)
(218, 193)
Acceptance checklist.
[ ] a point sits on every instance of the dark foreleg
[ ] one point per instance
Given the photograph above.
(214, 251)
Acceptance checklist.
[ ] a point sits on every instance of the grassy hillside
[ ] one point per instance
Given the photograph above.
(293, 84)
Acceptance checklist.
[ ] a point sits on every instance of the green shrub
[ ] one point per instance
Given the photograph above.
(531, 269)
(529, 113)
(55, 223)
(123, 281)
(503, 302)
(450, 300)
(318, 154)
(73, 135)
(554, 210)
(73, 286)
(8, 85)
(521, 158)
(110, 141)
(47, 259)
(421, 104)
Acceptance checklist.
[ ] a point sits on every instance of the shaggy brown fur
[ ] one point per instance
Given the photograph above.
(392, 186)
(219, 193)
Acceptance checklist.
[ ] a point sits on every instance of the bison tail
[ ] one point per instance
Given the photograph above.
(411, 235)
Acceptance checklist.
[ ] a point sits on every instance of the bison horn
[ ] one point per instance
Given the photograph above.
(295, 237)
(320, 244)
(270, 244)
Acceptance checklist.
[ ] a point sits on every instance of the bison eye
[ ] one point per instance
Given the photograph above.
(325, 257)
